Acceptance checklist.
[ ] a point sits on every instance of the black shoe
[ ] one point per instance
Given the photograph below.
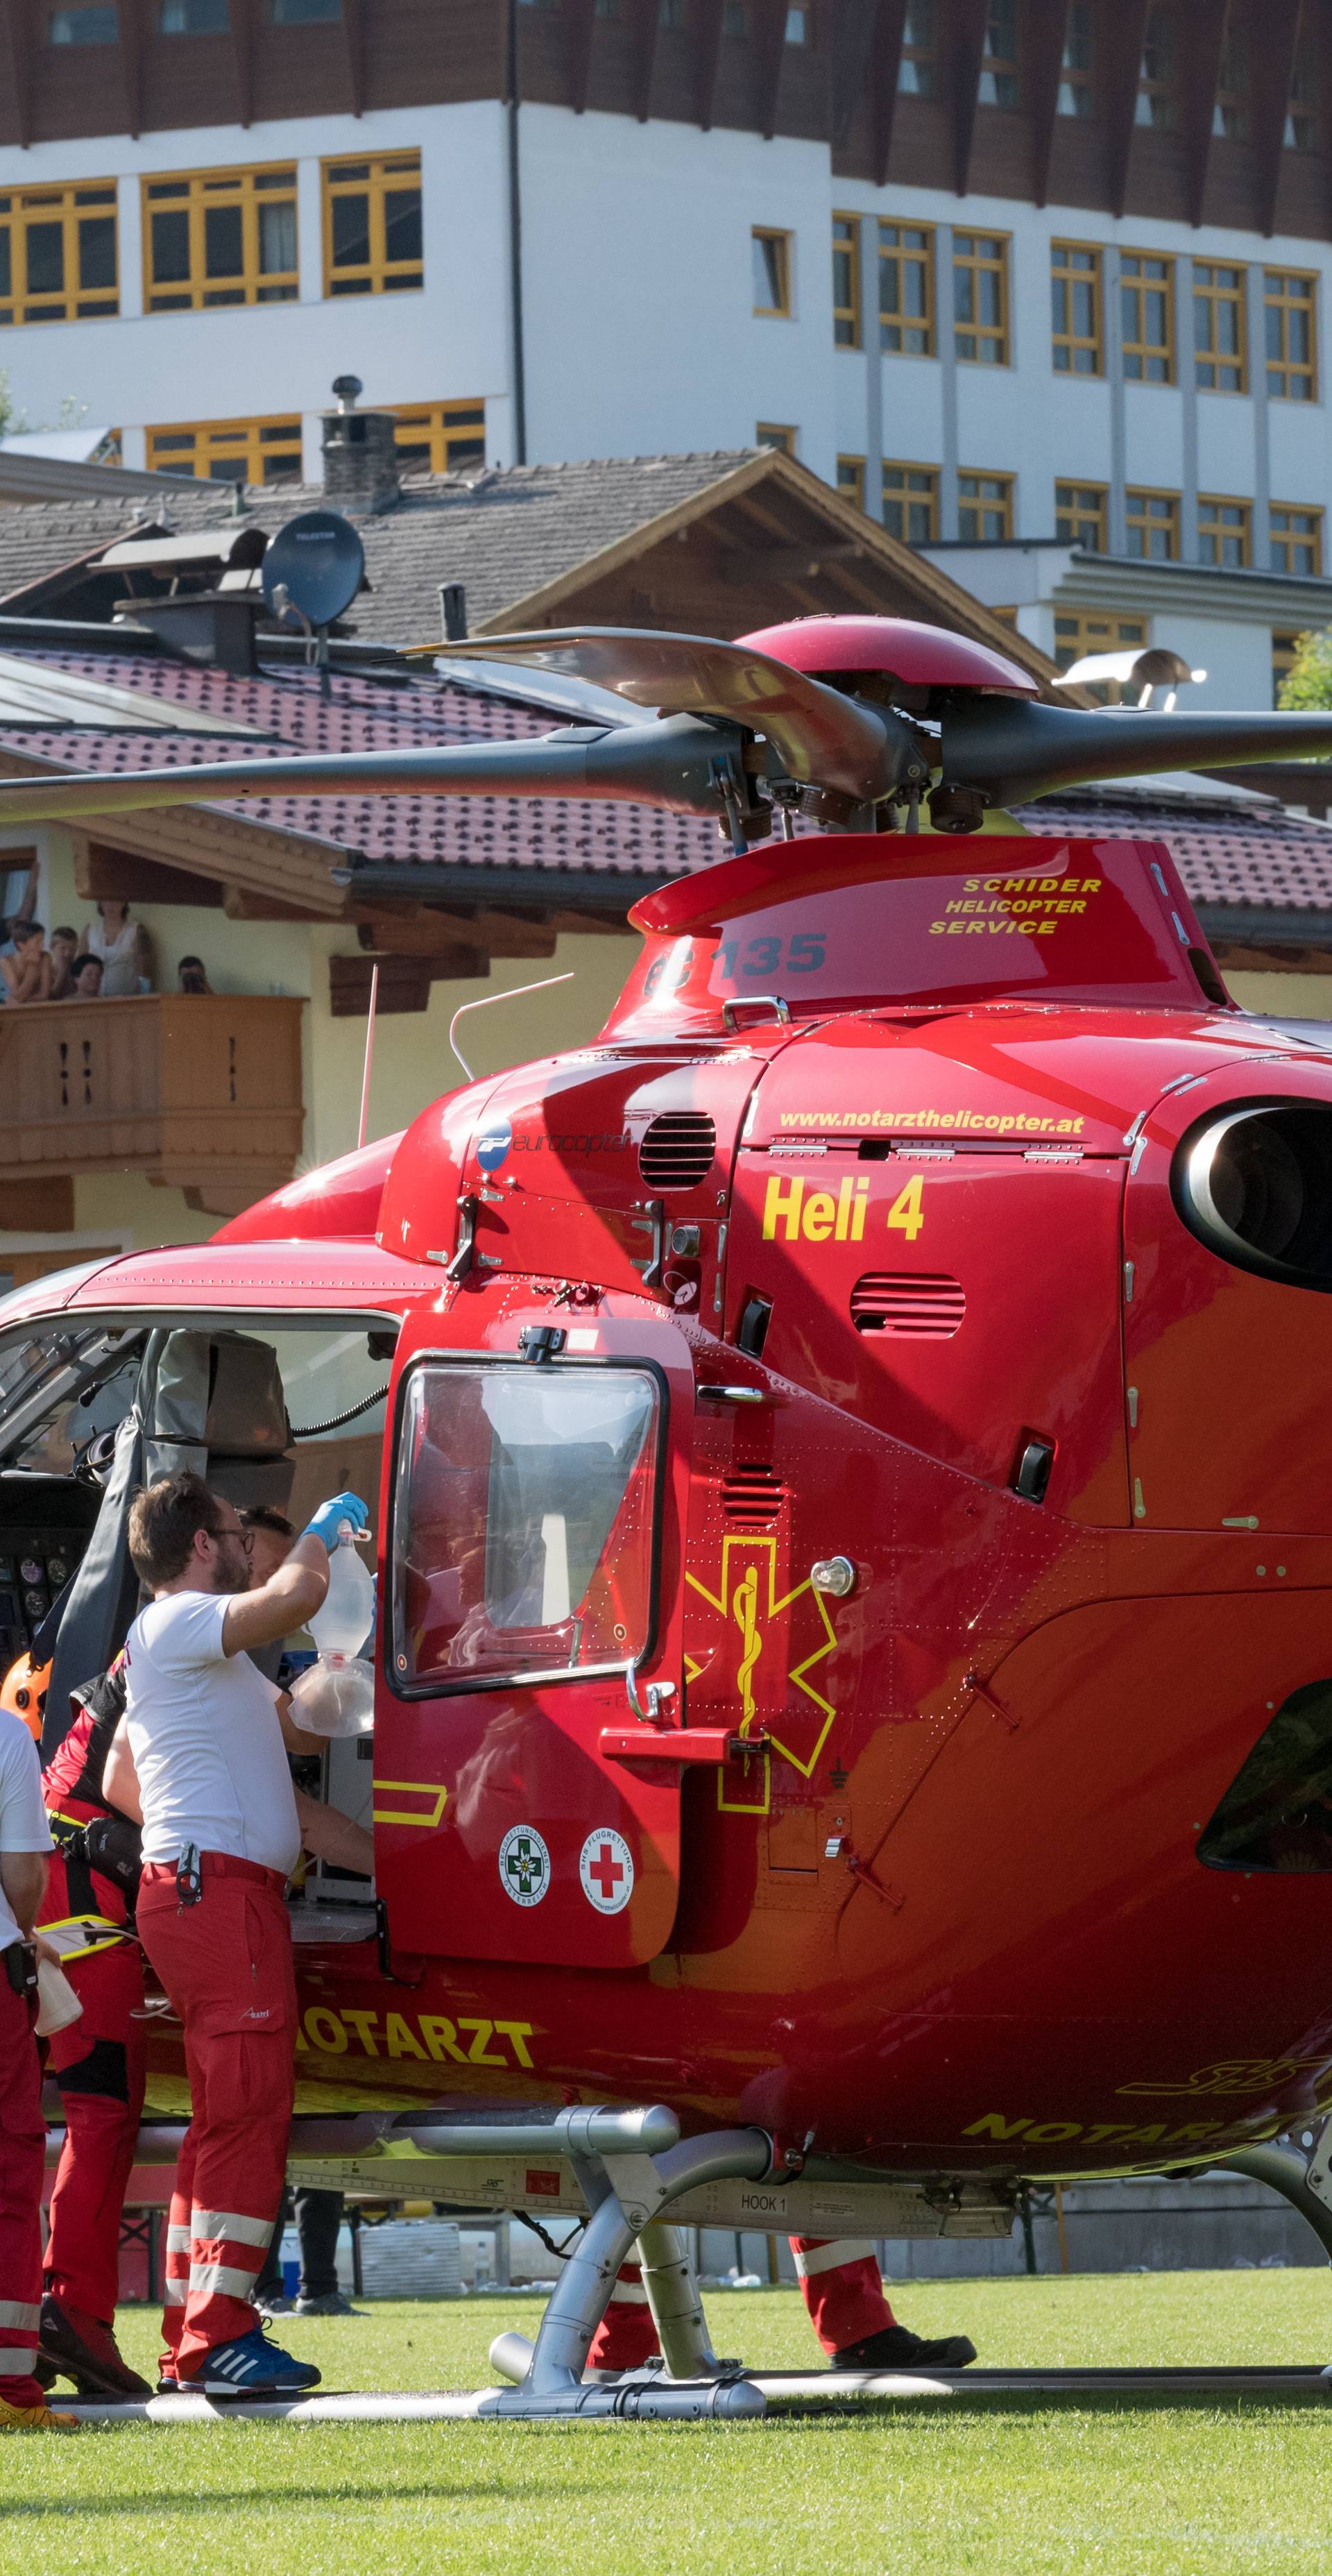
(897, 2348)
(84, 2349)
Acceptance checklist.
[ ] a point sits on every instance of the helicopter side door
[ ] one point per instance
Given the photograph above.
(533, 1508)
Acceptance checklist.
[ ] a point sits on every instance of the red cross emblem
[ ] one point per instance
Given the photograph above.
(606, 1870)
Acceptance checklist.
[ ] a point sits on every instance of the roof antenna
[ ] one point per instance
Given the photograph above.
(369, 1053)
(485, 1004)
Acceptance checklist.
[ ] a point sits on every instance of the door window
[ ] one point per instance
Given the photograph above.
(523, 1525)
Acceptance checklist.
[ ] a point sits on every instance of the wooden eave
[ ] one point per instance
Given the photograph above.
(221, 849)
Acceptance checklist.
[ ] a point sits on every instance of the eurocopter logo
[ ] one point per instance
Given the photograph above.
(524, 1865)
(764, 1630)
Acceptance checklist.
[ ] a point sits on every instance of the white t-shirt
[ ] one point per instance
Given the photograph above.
(205, 1738)
(23, 1825)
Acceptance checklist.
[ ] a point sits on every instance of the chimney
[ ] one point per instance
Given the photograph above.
(360, 454)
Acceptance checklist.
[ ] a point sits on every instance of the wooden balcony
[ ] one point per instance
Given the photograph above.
(198, 1091)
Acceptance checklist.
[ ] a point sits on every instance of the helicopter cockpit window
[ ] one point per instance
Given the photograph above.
(1277, 1812)
(523, 1524)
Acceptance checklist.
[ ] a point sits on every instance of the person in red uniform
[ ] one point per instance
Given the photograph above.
(221, 1835)
(843, 2290)
(25, 1845)
(98, 2062)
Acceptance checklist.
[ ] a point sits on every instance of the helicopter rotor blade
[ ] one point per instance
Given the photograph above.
(690, 767)
(821, 737)
(1017, 749)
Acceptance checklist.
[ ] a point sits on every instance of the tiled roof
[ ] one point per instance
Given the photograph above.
(1244, 855)
(504, 535)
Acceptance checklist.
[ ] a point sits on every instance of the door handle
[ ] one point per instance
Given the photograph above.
(658, 1695)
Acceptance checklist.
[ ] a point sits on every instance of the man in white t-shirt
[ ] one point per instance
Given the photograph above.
(25, 1845)
(221, 1835)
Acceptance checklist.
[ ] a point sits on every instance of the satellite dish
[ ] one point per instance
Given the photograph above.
(318, 561)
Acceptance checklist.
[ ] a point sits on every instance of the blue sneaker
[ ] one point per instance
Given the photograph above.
(250, 2366)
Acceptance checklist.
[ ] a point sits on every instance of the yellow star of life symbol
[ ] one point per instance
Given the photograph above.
(749, 1604)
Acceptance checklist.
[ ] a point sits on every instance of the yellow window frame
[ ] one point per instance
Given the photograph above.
(846, 281)
(911, 495)
(1078, 505)
(1219, 288)
(978, 256)
(1145, 275)
(781, 434)
(1290, 298)
(446, 430)
(776, 246)
(26, 211)
(1225, 520)
(376, 176)
(907, 327)
(1293, 527)
(975, 502)
(851, 479)
(195, 194)
(1075, 267)
(194, 446)
(1078, 633)
(1142, 517)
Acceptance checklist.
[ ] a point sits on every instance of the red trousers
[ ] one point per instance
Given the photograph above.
(226, 1964)
(22, 2158)
(842, 2287)
(99, 2064)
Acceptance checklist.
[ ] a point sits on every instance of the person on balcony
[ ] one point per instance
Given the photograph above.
(124, 948)
(25, 976)
(88, 981)
(64, 951)
(192, 975)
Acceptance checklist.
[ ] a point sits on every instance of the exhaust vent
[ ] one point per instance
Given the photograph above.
(922, 1306)
(752, 1498)
(678, 1150)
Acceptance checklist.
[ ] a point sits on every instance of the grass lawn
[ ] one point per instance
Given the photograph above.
(1009, 2489)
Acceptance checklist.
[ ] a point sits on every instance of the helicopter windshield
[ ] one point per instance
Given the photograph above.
(523, 1524)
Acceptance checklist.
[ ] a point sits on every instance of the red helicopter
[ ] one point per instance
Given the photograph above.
(852, 1663)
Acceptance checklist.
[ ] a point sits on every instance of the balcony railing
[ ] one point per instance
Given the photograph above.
(199, 1091)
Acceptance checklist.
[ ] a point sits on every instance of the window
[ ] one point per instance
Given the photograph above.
(440, 438)
(1289, 300)
(916, 68)
(523, 1523)
(1277, 1812)
(1284, 650)
(846, 281)
(1075, 84)
(999, 83)
(1301, 128)
(1078, 636)
(100, 26)
(215, 237)
(1153, 525)
(1075, 298)
(906, 289)
(1295, 539)
(771, 254)
(851, 479)
(372, 225)
(1225, 531)
(911, 503)
(304, 13)
(194, 17)
(1147, 317)
(1230, 111)
(984, 508)
(229, 451)
(1081, 516)
(776, 433)
(980, 298)
(800, 23)
(1155, 104)
(58, 254)
(1218, 327)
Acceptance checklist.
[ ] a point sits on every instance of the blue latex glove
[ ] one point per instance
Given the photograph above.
(328, 1520)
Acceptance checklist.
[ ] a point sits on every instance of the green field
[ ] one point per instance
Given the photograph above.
(1007, 2488)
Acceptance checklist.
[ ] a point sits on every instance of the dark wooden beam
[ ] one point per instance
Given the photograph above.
(787, 562)
(423, 933)
(242, 17)
(1047, 25)
(1201, 27)
(404, 982)
(970, 21)
(647, 21)
(16, 48)
(707, 57)
(768, 36)
(105, 874)
(238, 905)
(42, 1205)
(1271, 70)
(131, 64)
(885, 71)
(353, 43)
(1122, 28)
(579, 20)
(846, 33)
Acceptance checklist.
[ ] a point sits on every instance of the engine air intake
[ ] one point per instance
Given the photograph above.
(752, 1498)
(919, 1306)
(678, 1150)
(1254, 1183)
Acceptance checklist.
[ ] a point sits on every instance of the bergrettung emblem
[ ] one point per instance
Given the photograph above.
(524, 1865)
